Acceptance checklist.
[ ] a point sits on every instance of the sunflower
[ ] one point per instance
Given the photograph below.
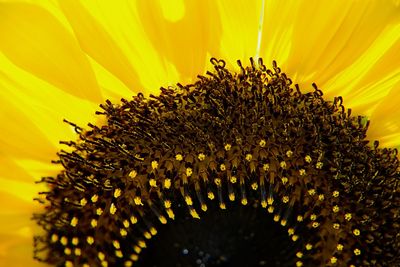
(61, 59)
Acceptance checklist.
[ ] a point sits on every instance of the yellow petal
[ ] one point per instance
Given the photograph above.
(98, 43)
(182, 38)
(37, 42)
(241, 22)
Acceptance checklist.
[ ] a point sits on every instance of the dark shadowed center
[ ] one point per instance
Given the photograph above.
(237, 236)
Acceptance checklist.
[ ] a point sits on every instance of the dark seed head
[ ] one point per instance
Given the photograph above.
(275, 176)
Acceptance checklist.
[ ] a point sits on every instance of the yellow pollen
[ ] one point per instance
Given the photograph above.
(153, 231)
(283, 165)
(118, 253)
(137, 249)
(123, 232)
(333, 260)
(138, 201)
(222, 167)
(154, 164)
(203, 207)
(189, 172)
(308, 246)
(266, 167)
(77, 251)
(254, 186)
(162, 219)
(104, 264)
(93, 223)
(321, 197)
(94, 198)
(217, 181)
(128, 264)
(170, 214)
(188, 200)
(299, 218)
(336, 226)
(126, 223)
(142, 244)
(283, 222)
(116, 244)
(284, 180)
(285, 199)
(69, 264)
(299, 264)
(133, 174)
(75, 241)
(311, 192)
(210, 195)
(227, 147)
(222, 206)
(290, 231)
(194, 214)
(231, 196)
(313, 217)
(147, 235)
(319, 165)
(90, 240)
(270, 201)
(264, 204)
(335, 209)
(167, 183)
(233, 179)
(113, 209)
(83, 202)
(179, 157)
(74, 221)
(270, 209)
(276, 217)
(339, 247)
(356, 232)
(262, 143)
(357, 252)
(134, 257)
(67, 251)
(101, 256)
(117, 193)
(249, 157)
(315, 224)
(295, 237)
(299, 254)
(64, 241)
(201, 156)
(302, 172)
(54, 238)
(335, 193)
(348, 216)
(244, 201)
(99, 211)
(133, 219)
(153, 182)
(167, 204)
(308, 159)
(289, 153)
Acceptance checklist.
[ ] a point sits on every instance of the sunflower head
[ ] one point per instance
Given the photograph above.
(164, 172)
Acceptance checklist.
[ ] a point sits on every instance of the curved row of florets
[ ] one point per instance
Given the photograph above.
(250, 138)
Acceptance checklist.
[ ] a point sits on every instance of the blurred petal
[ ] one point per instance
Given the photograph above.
(113, 36)
(186, 38)
(240, 22)
(35, 41)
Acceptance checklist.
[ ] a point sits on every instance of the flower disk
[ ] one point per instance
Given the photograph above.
(230, 139)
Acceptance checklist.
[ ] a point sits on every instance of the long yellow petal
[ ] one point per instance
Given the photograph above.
(35, 41)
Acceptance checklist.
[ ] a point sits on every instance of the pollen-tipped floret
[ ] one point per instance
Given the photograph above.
(234, 139)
